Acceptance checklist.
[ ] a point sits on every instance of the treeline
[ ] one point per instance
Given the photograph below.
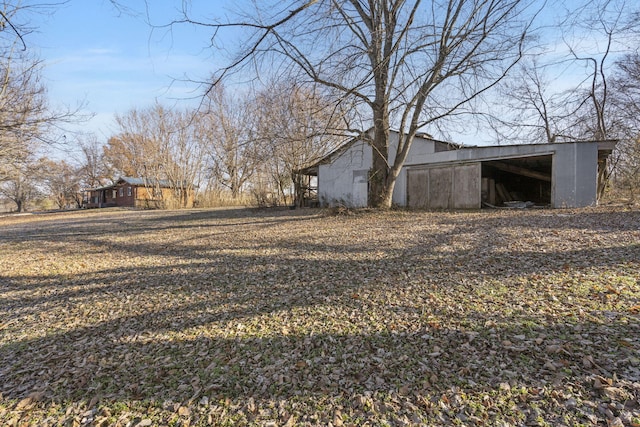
(574, 76)
(234, 148)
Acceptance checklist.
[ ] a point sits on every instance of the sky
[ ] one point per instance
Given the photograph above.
(111, 61)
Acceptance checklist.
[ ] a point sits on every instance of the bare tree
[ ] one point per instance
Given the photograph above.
(19, 183)
(140, 147)
(531, 110)
(157, 144)
(185, 156)
(61, 182)
(537, 109)
(626, 84)
(297, 126)
(231, 138)
(22, 103)
(25, 115)
(121, 156)
(93, 168)
(596, 117)
(407, 64)
(625, 87)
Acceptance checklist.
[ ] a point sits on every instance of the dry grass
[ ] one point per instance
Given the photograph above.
(278, 317)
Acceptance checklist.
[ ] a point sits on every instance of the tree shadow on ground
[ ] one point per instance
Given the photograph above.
(580, 219)
(91, 225)
(118, 362)
(423, 320)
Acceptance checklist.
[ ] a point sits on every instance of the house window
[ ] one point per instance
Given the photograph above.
(129, 191)
(115, 194)
(121, 191)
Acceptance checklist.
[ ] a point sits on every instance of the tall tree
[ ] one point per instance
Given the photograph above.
(406, 63)
(186, 155)
(564, 92)
(19, 183)
(25, 114)
(61, 182)
(93, 168)
(157, 144)
(532, 111)
(139, 148)
(605, 22)
(626, 89)
(231, 138)
(297, 126)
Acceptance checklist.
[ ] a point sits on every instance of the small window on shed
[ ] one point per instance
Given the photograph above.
(121, 191)
(129, 191)
(115, 194)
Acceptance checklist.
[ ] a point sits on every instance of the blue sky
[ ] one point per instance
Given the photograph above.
(114, 61)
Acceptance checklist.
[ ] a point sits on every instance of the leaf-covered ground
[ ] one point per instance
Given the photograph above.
(304, 317)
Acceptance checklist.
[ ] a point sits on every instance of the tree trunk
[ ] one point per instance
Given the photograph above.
(603, 179)
(379, 189)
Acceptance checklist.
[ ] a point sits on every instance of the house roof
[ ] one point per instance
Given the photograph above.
(139, 182)
(144, 181)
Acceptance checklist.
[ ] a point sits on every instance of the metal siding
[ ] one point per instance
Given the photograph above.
(360, 188)
(586, 174)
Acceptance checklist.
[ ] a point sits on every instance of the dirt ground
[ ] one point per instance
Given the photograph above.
(315, 317)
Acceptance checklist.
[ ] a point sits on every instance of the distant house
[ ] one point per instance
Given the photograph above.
(140, 193)
(440, 175)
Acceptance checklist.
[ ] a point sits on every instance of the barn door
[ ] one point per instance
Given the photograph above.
(440, 191)
(417, 183)
(360, 188)
(445, 187)
(467, 189)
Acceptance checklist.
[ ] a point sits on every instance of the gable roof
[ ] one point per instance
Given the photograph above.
(145, 182)
(139, 182)
(313, 169)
